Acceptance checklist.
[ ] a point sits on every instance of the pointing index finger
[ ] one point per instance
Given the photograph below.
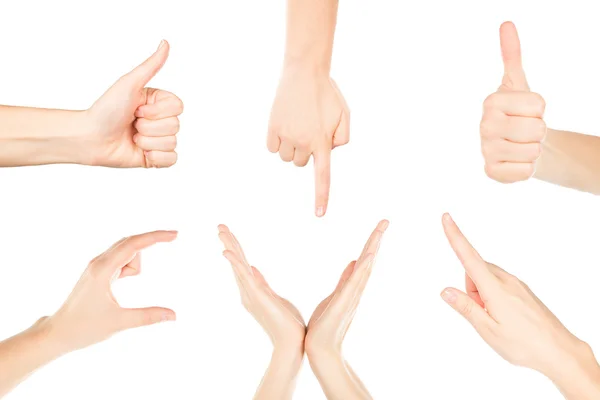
(322, 159)
(474, 265)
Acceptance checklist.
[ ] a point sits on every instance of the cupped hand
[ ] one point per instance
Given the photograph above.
(277, 316)
(91, 314)
(512, 128)
(309, 117)
(132, 125)
(507, 315)
(333, 316)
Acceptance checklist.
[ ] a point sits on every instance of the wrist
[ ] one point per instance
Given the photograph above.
(305, 66)
(41, 336)
(576, 375)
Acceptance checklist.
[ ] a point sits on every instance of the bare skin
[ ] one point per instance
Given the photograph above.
(90, 315)
(515, 141)
(517, 325)
(129, 126)
(309, 115)
(323, 337)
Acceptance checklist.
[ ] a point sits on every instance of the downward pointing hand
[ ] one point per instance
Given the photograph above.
(133, 125)
(512, 128)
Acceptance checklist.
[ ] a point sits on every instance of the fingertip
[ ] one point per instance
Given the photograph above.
(383, 225)
(447, 219)
(507, 25)
(449, 295)
(139, 112)
(320, 211)
(223, 228)
(163, 45)
(168, 315)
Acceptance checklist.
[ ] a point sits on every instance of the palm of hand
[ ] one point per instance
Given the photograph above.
(277, 316)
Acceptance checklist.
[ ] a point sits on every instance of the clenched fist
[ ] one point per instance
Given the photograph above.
(133, 125)
(512, 128)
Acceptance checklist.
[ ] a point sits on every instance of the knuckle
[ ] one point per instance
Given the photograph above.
(486, 127)
(466, 309)
(487, 150)
(540, 130)
(491, 101)
(536, 151)
(179, 106)
(491, 171)
(539, 102)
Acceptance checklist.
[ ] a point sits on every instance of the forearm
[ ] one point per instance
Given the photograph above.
(576, 374)
(35, 136)
(23, 354)
(571, 160)
(337, 379)
(310, 32)
(279, 381)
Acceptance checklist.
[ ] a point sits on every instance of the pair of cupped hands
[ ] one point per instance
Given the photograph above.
(501, 308)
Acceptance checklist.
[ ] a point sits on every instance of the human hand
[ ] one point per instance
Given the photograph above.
(333, 316)
(277, 316)
(309, 116)
(512, 128)
(91, 314)
(132, 125)
(511, 319)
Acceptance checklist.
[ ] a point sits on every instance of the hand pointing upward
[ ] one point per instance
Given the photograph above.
(512, 128)
(134, 125)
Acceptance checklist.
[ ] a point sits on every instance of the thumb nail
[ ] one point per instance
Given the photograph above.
(162, 43)
(448, 296)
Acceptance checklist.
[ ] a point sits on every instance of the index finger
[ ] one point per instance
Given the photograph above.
(322, 159)
(374, 240)
(126, 250)
(474, 265)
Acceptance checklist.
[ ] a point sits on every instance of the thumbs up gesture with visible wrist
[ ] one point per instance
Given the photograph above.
(512, 129)
(132, 125)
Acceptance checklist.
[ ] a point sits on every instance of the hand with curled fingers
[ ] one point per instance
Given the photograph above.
(517, 325)
(277, 316)
(91, 313)
(330, 321)
(512, 128)
(133, 125)
(309, 117)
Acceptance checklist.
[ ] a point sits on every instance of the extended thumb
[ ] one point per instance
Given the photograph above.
(138, 317)
(142, 74)
(514, 75)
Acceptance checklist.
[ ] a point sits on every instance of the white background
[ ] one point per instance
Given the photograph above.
(414, 74)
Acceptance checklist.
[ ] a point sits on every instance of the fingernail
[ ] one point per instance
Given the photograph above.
(449, 296)
(135, 138)
(320, 211)
(168, 317)
(139, 113)
(162, 43)
(447, 217)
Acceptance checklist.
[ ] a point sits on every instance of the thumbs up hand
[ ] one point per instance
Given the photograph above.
(134, 125)
(512, 128)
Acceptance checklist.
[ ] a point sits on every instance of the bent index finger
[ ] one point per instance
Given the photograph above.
(474, 265)
(126, 250)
